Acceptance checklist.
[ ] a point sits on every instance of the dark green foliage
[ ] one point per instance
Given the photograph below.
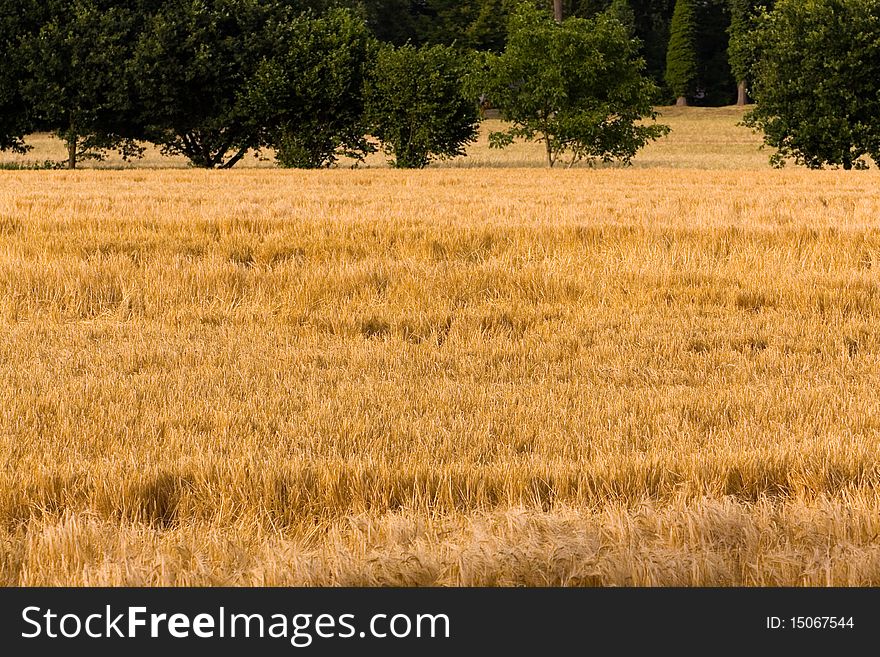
(816, 83)
(738, 49)
(193, 63)
(622, 11)
(488, 30)
(740, 52)
(715, 83)
(479, 24)
(418, 106)
(75, 76)
(397, 21)
(650, 20)
(712, 82)
(15, 114)
(682, 65)
(577, 86)
(309, 95)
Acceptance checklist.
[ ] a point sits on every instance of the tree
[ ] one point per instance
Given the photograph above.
(737, 48)
(815, 82)
(76, 85)
(488, 30)
(481, 25)
(478, 24)
(715, 84)
(194, 62)
(16, 115)
(577, 86)
(418, 106)
(652, 18)
(405, 21)
(622, 10)
(309, 97)
(681, 56)
(740, 52)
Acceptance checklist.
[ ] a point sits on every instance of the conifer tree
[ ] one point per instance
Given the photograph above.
(681, 55)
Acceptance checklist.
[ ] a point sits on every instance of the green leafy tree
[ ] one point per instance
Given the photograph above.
(418, 104)
(194, 62)
(649, 22)
(652, 19)
(682, 65)
(577, 86)
(815, 82)
(399, 21)
(478, 24)
(740, 51)
(76, 83)
(16, 115)
(310, 95)
(481, 25)
(622, 10)
(488, 30)
(737, 49)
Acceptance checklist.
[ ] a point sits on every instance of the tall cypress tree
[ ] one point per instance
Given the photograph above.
(681, 55)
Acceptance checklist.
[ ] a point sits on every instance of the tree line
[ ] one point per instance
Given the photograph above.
(212, 80)
(482, 25)
(315, 81)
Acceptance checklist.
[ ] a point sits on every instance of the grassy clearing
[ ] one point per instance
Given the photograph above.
(642, 376)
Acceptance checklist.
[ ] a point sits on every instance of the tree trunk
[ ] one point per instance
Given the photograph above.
(741, 97)
(681, 101)
(231, 162)
(550, 159)
(557, 10)
(71, 151)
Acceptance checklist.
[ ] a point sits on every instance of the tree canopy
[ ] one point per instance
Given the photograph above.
(309, 94)
(418, 104)
(577, 86)
(193, 63)
(73, 82)
(816, 89)
(18, 18)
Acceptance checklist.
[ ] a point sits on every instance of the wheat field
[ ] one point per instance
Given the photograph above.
(662, 375)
